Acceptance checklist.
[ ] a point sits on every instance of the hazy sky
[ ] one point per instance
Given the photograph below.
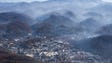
(108, 0)
(35, 0)
(21, 0)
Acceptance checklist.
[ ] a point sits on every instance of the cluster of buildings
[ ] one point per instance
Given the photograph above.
(49, 50)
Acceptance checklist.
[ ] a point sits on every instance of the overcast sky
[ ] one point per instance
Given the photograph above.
(35, 0)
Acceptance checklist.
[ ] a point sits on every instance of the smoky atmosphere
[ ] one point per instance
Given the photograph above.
(55, 31)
